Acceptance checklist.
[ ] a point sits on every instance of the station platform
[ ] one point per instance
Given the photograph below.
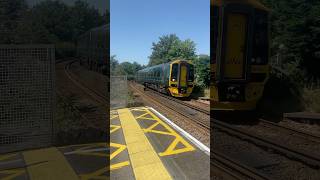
(143, 145)
(85, 161)
(147, 145)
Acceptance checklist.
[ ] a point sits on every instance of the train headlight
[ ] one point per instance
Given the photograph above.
(173, 80)
(232, 93)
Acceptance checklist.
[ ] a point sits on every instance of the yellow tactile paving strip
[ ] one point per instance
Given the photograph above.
(10, 173)
(145, 162)
(48, 164)
(120, 147)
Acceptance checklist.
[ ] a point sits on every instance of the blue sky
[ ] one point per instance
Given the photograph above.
(135, 24)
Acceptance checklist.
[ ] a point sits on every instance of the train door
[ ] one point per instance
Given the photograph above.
(183, 75)
(234, 63)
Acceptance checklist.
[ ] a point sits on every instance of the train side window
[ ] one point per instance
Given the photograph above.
(174, 72)
(260, 46)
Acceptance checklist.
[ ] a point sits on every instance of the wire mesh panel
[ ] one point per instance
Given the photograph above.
(118, 92)
(26, 96)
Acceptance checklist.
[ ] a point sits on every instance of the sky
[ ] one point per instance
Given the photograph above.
(102, 5)
(135, 24)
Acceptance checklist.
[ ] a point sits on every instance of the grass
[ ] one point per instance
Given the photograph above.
(67, 117)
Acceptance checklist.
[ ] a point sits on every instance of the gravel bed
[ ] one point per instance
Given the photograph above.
(311, 128)
(94, 80)
(200, 103)
(95, 117)
(272, 164)
(283, 137)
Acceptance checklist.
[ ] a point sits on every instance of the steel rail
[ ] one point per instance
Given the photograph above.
(93, 94)
(304, 134)
(176, 110)
(307, 158)
(234, 168)
(207, 112)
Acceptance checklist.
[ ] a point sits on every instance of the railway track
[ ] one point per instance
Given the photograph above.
(205, 111)
(290, 130)
(179, 111)
(232, 169)
(227, 168)
(310, 159)
(92, 93)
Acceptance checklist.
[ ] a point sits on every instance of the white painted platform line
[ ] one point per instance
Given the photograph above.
(195, 141)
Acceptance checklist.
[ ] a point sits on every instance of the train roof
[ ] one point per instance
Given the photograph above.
(159, 65)
(152, 67)
(255, 3)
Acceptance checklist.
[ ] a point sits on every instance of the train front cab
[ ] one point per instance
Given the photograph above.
(181, 78)
(240, 54)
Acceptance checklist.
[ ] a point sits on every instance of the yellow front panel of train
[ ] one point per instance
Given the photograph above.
(183, 76)
(236, 45)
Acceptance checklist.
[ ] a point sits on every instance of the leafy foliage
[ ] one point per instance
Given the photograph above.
(47, 22)
(295, 31)
(11, 15)
(202, 70)
(124, 68)
(295, 37)
(170, 47)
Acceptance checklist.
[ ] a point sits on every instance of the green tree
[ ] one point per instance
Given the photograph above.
(115, 68)
(124, 68)
(113, 62)
(170, 47)
(11, 15)
(84, 17)
(30, 31)
(130, 68)
(55, 16)
(65, 22)
(137, 66)
(202, 70)
(295, 34)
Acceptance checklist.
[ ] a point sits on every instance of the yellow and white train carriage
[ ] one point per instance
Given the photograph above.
(239, 54)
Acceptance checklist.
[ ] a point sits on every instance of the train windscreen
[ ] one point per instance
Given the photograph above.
(191, 73)
(260, 46)
(174, 72)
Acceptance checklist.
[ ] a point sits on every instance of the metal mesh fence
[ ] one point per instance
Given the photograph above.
(118, 92)
(26, 96)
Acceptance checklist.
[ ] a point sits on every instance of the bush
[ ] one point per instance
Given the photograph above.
(65, 49)
(311, 97)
